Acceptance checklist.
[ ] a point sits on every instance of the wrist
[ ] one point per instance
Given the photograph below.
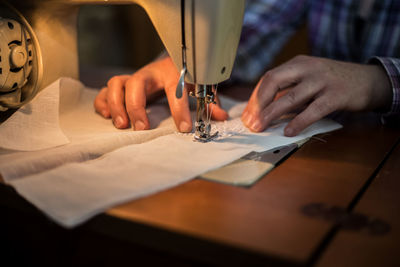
(381, 89)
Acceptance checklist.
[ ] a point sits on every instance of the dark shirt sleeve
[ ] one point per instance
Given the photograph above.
(392, 68)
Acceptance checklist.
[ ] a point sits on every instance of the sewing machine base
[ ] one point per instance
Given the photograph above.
(251, 167)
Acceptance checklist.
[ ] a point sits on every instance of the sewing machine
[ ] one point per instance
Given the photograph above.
(39, 39)
(320, 208)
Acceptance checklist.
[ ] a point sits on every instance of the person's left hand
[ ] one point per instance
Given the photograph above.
(126, 96)
(322, 85)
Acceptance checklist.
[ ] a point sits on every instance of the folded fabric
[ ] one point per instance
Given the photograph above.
(89, 135)
(103, 166)
(73, 193)
(35, 126)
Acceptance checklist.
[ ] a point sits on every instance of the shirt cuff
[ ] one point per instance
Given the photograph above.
(392, 68)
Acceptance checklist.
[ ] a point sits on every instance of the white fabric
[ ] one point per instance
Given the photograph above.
(74, 182)
(91, 135)
(30, 127)
(74, 192)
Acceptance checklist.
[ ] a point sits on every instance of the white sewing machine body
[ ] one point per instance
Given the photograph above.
(201, 36)
(211, 34)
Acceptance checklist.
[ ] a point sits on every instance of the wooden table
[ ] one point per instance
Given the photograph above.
(296, 215)
(334, 202)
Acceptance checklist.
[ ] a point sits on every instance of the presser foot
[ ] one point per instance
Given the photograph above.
(205, 96)
(205, 138)
(202, 133)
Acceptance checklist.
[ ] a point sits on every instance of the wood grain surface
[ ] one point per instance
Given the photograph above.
(369, 246)
(266, 219)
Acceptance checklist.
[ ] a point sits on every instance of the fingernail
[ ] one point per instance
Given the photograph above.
(249, 120)
(118, 122)
(185, 127)
(289, 132)
(104, 113)
(256, 126)
(139, 125)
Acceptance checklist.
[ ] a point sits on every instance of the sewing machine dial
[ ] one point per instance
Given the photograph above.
(20, 58)
(16, 55)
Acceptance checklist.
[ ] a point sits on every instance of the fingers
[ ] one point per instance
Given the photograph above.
(293, 99)
(179, 109)
(125, 97)
(218, 113)
(116, 101)
(318, 109)
(135, 102)
(273, 81)
(100, 103)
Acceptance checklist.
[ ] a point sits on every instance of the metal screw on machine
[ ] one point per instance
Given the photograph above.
(18, 56)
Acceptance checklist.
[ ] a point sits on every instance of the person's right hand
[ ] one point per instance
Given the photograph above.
(322, 85)
(124, 99)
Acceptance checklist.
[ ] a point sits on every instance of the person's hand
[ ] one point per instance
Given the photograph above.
(322, 85)
(125, 97)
